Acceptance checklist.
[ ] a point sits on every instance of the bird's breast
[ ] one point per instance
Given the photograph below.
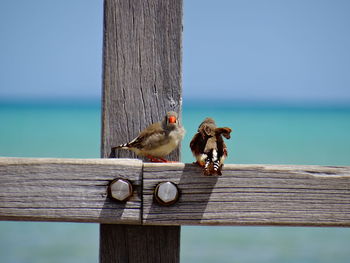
(177, 135)
(170, 143)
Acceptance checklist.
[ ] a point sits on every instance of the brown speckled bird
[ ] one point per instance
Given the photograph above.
(199, 140)
(208, 146)
(158, 139)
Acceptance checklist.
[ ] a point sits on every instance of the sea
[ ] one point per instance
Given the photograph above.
(263, 133)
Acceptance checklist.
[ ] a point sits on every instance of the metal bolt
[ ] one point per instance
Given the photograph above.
(120, 189)
(166, 193)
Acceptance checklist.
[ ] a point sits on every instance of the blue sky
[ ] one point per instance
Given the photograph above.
(293, 50)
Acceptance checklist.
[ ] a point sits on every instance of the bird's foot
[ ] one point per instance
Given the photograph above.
(209, 170)
(166, 161)
(206, 172)
(158, 159)
(154, 159)
(201, 164)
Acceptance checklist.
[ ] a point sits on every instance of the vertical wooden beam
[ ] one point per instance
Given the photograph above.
(146, 244)
(141, 82)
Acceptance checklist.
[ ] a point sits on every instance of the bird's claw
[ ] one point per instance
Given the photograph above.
(159, 159)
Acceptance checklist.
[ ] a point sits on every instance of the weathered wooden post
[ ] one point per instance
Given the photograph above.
(141, 82)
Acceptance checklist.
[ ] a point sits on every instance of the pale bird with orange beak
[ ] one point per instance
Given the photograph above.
(158, 139)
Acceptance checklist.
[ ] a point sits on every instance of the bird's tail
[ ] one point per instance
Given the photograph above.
(216, 165)
(122, 146)
(212, 164)
(113, 153)
(206, 169)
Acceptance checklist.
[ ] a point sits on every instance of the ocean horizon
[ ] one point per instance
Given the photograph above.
(263, 132)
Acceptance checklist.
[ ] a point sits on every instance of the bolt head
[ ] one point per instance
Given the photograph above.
(120, 189)
(166, 193)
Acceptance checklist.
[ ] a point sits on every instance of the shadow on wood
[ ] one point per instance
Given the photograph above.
(114, 211)
(67, 190)
(195, 193)
(251, 195)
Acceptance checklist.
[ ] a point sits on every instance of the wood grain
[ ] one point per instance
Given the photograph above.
(141, 68)
(141, 82)
(250, 195)
(134, 244)
(75, 190)
(72, 190)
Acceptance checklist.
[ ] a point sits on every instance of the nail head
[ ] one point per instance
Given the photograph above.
(166, 193)
(120, 189)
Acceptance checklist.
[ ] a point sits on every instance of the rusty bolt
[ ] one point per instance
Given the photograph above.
(120, 189)
(166, 193)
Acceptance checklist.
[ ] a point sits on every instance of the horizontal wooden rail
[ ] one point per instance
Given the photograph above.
(72, 190)
(251, 195)
(76, 190)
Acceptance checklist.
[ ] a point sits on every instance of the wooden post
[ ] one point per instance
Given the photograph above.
(141, 82)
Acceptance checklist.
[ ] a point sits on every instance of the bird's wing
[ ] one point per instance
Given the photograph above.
(225, 152)
(224, 131)
(150, 136)
(222, 148)
(197, 144)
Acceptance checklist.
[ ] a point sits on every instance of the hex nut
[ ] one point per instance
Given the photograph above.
(166, 193)
(120, 189)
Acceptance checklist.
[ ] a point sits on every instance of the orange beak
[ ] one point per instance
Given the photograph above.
(172, 119)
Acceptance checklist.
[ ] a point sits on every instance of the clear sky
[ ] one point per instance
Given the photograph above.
(249, 49)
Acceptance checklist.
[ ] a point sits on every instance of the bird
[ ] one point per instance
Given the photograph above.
(209, 148)
(221, 148)
(199, 140)
(157, 140)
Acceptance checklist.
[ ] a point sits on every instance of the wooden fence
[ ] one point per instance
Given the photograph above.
(141, 81)
(76, 190)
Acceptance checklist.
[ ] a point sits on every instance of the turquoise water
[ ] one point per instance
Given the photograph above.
(261, 134)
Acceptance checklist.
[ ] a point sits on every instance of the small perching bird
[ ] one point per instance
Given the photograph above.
(208, 146)
(157, 140)
(199, 140)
